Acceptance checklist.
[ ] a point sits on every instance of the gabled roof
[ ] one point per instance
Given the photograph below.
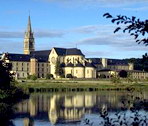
(62, 65)
(79, 65)
(70, 65)
(74, 51)
(41, 58)
(18, 57)
(60, 51)
(104, 70)
(70, 51)
(95, 60)
(116, 62)
(90, 65)
(26, 58)
(41, 53)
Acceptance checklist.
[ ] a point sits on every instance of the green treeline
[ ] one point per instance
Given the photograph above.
(140, 63)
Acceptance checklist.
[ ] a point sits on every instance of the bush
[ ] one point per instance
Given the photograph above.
(32, 77)
(62, 76)
(130, 79)
(102, 76)
(29, 76)
(115, 80)
(123, 74)
(69, 76)
(49, 76)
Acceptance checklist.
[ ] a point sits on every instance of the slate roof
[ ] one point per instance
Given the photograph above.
(26, 58)
(70, 51)
(90, 65)
(41, 53)
(41, 58)
(62, 65)
(95, 60)
(74, 51)
(18, 57)
(116, 62)
(79, 65)
(104, 70)
(70, 65)
(60, 51)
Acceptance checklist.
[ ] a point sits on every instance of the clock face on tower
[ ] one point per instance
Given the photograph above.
(53, 60)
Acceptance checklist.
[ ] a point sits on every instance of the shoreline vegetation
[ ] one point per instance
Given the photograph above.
(73, 85)
(10, 94)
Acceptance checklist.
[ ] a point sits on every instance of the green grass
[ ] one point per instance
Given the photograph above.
(85, 85)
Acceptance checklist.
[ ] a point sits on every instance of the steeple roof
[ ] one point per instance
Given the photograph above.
(29, 25)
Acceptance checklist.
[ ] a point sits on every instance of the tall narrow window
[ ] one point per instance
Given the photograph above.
(76, 71)
(87, 71)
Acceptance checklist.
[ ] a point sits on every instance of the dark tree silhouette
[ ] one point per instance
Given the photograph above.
(5, 75)
(134, 26)
(145, 62)
(123, 74)
(58, 70)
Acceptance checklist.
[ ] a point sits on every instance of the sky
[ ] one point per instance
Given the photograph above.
(71, 24)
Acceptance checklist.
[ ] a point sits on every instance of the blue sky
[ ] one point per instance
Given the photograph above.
(70, 24)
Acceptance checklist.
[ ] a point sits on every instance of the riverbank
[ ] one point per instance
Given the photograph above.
(79, 85)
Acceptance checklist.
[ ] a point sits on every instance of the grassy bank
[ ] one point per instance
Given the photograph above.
(83, 85)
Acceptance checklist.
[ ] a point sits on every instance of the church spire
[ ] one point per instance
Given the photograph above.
(29, 39)
(29, 25)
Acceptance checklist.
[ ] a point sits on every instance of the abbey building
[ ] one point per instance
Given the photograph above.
(65, 62)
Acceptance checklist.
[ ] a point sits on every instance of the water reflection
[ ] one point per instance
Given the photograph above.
(70, 108)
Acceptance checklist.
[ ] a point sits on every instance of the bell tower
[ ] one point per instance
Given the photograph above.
(29, 39)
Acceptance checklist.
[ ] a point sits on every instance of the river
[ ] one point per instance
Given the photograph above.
(78, 108)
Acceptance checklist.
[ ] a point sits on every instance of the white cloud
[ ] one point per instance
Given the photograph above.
(97, 54)
(136, 9)
(10, 46)
(38, 34)
(92, 36)
(122, 42)
(86, 29)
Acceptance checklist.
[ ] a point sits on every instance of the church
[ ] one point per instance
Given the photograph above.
(71, 61)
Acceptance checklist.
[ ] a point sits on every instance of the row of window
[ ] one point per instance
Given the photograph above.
(88, 71)
(43, 65)
(42, 69)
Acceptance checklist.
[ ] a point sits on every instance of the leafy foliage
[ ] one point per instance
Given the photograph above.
(5, 75)
(49, 76)
(140, 63)
(58, 69)
(33, 77)
(134, 26)
(9, 93)
(123, 73)
(69, 76)
(115, 79)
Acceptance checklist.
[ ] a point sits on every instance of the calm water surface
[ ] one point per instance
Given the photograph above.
(70, 109)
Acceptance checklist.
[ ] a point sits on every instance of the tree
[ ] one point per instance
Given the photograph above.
(145, 62)
(58, 69)
(69, 76)
(5, 75)
(33, 77)
(134, 26)
(140, 63)
(115, 80)
(49, 76)
(123, 74)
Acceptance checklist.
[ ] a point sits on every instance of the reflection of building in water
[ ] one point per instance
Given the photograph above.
(33, 107)
(53, 112)
(28, 122)
(70, 107)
